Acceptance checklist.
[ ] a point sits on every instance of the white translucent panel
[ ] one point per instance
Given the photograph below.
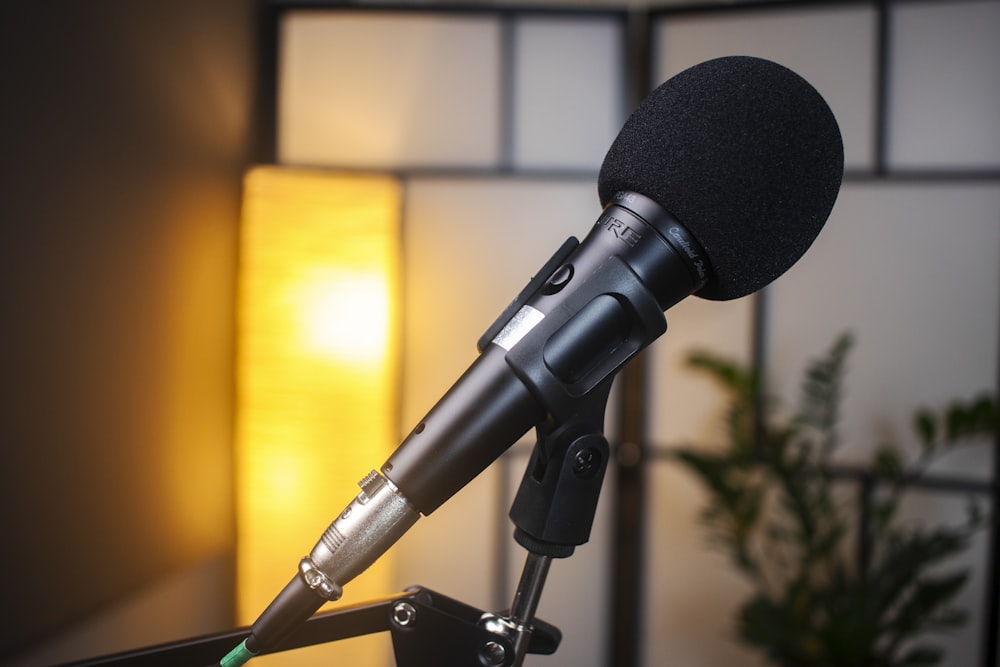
(913, 270)
(944, 85)
(831, 47)
(686, 406)
(388, 90)
(568, 91)
(692, 591)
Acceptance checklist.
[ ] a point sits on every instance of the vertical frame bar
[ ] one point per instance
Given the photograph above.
(629, 502)
(265, 112)
(990, 642)
(882, 45)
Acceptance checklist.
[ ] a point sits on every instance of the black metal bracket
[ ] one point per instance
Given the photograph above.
(427, 628)
(431, 629)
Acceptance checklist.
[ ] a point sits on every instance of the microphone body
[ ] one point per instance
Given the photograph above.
(590, 309)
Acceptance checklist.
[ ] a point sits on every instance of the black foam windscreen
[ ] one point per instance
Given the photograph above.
(746, 155)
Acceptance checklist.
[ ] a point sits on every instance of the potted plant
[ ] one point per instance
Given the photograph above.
(774, 508)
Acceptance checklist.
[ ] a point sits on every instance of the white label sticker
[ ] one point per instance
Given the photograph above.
(518, 327)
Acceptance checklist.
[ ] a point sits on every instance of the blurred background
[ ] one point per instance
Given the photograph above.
(144, 145)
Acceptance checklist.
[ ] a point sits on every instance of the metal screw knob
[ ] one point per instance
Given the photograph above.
(404, 614)
(585, 462)
(492, 654)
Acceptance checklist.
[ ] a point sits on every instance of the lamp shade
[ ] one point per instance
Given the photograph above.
(317, 359)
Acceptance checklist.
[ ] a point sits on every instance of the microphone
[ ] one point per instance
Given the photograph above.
(717, 184)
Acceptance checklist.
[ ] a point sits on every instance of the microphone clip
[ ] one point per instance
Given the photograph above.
(554, 508)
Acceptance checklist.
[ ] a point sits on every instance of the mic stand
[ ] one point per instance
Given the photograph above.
(553, 512)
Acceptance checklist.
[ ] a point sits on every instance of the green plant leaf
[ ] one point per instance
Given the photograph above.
(822, 390)
(974, 513)
(888, 464)
(921, 656)
(905, 557)
(925, 426)
(781, 630)
(773, 510)
(924, 609)
(986, 414)
(740, 382)
(958, 422)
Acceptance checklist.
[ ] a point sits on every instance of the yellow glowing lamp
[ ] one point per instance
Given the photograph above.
(317, 358)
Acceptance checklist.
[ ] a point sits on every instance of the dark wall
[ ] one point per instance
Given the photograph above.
(124, 131)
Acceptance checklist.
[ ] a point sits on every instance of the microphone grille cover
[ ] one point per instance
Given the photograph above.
(746, 154)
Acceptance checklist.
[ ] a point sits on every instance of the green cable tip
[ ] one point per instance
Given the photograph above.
(238, 656)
